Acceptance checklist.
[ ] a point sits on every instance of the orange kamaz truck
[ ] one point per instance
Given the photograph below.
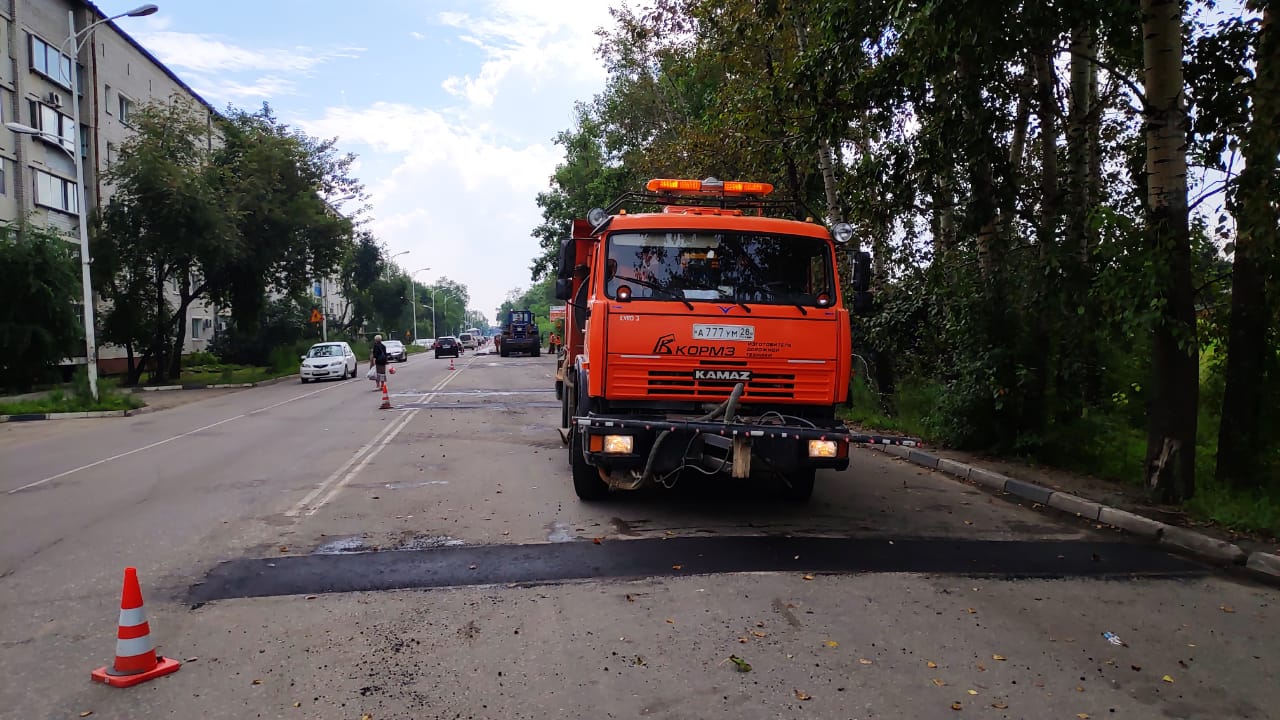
(703, 337)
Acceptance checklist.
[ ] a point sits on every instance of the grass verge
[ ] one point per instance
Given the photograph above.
(75, 399)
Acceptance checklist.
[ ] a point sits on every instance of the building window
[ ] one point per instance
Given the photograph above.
(50, 62)
(196, 324)
(126, 108)
(52, 122)
(111, 153)
(55, 192)
(106, 94)
(4, 179)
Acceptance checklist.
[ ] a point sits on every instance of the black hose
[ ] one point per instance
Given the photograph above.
(727, 407)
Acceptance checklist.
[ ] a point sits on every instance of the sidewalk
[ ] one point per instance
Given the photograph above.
(1102, 503)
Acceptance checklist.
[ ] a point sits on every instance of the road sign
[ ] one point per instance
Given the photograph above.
(316, 316)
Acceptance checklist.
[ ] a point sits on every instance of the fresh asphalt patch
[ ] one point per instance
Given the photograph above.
(657, 557)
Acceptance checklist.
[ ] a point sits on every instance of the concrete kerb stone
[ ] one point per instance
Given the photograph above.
(1203, 545)
(1265, 563)
(986, 478)
(1027, 491)
(1075, 505)
(951, 467)
(920, 457)
(1130, 522)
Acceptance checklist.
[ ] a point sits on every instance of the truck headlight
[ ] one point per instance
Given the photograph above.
(822, 448)
(619, 444)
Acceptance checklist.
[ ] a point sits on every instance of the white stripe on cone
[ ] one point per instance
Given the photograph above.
(132, 616)
(136, 646)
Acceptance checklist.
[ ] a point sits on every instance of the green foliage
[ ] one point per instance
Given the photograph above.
(39, 282)
(283, 327)
(75, 398)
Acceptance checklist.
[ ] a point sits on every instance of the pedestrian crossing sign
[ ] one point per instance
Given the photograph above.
(315, 316)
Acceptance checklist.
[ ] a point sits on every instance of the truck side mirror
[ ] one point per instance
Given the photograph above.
(564, 271)
(861, 272)
(564, 289)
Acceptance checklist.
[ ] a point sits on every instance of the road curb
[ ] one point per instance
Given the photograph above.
(1265, 563)
(31, 417)
(1219, 552)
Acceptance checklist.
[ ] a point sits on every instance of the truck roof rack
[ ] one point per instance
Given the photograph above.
(793, 209)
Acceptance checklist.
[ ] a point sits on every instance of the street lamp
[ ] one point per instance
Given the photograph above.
(413, 290)
(90, 342)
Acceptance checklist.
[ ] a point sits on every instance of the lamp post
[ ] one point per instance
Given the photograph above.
(90, 342)
(413, 290)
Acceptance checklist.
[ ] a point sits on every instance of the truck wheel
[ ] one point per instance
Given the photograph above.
(504, 352)
(798, 486)
(586, 479)
(537, 352)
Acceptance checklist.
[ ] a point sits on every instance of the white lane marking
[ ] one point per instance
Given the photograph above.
(386, 439)
(158, 443)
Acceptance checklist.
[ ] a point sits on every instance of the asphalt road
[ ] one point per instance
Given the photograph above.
(308, 555)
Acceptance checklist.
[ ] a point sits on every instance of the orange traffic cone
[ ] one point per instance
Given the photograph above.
(386, 401)
(451, 363)
(136, 658)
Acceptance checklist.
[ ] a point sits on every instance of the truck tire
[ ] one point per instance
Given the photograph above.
(504, 352)
(537, 351)
(586, 479)
(797, 486)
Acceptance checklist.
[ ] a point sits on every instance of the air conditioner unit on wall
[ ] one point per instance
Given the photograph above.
(53, 99)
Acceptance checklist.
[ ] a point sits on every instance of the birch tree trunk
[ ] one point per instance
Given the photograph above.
(1174, 388)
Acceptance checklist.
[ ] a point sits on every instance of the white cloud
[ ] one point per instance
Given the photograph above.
(453, 194)
(209, 63)
(417, 35)
(531, 39)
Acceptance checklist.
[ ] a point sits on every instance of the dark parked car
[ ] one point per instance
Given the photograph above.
(447, 345)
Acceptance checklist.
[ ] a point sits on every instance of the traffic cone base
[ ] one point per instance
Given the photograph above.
(451, 363)
(386, 400)
(108, 676)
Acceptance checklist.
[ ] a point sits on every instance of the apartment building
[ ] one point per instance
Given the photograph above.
(115, 75)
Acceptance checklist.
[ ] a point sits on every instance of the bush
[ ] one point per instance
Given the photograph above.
(200, 358)
(39, 283)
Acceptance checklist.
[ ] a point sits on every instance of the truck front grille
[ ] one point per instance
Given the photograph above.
(761, 386)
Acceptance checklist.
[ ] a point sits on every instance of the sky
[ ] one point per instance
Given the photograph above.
(450, 106)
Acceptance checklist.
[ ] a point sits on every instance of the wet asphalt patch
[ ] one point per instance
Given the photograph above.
(657, 557)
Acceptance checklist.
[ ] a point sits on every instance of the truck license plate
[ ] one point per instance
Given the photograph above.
(742, 333)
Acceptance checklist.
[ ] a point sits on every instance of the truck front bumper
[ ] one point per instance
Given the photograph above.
(621, 443)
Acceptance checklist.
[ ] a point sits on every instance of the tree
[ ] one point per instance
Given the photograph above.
(1174, 387)
(275, 180)
(1251, 356)
(166, 226)
(39, 279)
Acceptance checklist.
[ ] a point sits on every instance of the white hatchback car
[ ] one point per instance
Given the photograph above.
(328, 360)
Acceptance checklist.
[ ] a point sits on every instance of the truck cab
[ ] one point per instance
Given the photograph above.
(703, 335)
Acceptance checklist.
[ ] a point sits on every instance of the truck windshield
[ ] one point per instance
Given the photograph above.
(733, 267)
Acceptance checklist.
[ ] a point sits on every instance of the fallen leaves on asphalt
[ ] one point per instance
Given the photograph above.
(297, 704)
(1227, 609)
(1000, 706)
(670, 621)
(807, 577)
(256, 682)
(677, 567)
(596, 541)
(1001, 658)
(744, 640)
(1167, 679)
(757, 633)
(956, 706)
(1083, 716)
(86, 713)
(972, 610)
(939, 682)
(740, 664)
(932, 665)
(802, 695)
(366, 716)
(865, 661)
(831, 643)
(972, 692)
